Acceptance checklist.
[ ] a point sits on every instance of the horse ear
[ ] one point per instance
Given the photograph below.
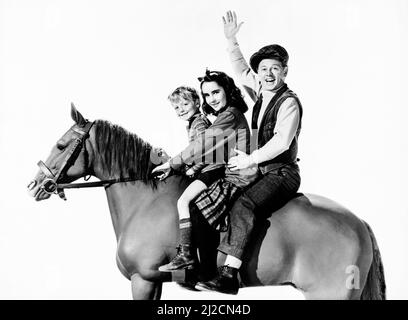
(77, 116)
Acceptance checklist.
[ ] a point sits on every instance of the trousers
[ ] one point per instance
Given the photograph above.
(271, 192)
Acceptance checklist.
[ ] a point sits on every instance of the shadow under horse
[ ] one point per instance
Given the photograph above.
(312, 243)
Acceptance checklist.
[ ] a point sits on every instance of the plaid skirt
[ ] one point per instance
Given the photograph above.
(215, 202)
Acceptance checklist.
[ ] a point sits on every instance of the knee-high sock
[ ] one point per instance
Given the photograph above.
(185, 231)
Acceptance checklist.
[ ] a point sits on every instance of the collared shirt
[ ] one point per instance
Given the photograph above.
(266, 98)
(288, 116)
(216, 113)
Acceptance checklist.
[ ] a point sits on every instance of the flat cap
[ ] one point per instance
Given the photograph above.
(273, 51)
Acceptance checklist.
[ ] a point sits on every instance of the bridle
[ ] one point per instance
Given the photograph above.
(50, 184)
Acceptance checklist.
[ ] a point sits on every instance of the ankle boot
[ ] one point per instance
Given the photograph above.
(184, 259)
(225, 282)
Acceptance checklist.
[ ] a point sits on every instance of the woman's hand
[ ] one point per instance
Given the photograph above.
(240, 161)
(162, 171)
(231, 27)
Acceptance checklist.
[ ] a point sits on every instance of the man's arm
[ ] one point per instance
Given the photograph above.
(284, 132)
(239, 64)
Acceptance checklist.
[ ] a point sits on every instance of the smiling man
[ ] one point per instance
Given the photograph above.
(276, 121)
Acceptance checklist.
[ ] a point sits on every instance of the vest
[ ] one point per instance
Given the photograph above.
(267, 127)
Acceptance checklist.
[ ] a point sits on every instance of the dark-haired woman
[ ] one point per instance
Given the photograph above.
(230, 130)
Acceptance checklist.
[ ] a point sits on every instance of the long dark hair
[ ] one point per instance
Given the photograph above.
(234, 96)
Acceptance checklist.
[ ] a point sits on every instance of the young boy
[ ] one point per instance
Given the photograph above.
(186, 103)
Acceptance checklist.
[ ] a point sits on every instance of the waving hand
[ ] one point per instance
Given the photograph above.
(231, 26)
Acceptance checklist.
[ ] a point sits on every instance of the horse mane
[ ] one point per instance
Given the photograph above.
(122, 153)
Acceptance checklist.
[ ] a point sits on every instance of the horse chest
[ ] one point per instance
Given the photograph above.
(141, 244)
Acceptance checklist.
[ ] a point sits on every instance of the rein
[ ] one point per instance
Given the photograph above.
(102, 183)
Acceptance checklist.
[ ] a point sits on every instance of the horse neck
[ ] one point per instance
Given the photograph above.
(125, 201)
(129, 200)
(121, 197)
(133, 200)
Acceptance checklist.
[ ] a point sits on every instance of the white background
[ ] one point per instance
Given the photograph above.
(119, 60)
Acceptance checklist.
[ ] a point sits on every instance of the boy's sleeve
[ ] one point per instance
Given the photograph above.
(200, 125)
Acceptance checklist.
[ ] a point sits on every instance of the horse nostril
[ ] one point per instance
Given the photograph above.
(32, 185)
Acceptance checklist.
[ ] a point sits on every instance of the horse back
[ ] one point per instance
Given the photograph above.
(309, 233)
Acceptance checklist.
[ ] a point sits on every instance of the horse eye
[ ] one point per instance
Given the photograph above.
(60, 147)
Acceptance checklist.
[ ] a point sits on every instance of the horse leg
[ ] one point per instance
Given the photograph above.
(144, 289)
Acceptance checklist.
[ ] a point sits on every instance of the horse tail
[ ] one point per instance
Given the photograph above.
(374, 288)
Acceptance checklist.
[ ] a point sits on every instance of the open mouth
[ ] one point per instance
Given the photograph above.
(269, 80)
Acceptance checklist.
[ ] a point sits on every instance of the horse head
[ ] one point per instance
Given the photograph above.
(112, 154)
(68, 161)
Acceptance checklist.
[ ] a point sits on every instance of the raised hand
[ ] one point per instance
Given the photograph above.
(231, 26)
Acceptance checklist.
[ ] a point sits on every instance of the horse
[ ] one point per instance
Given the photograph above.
(312, 243)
